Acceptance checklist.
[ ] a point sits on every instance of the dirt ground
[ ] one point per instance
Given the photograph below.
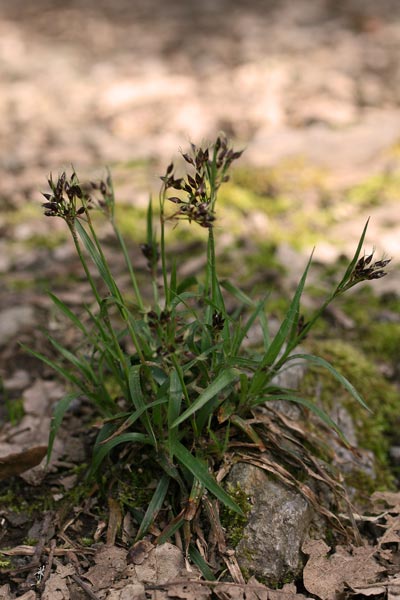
(127, 82)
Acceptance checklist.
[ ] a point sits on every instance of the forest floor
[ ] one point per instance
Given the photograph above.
(311, 90)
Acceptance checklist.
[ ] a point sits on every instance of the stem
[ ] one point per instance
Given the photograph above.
(84, 264)
(162, 248)
(129, 265)
(97, 296)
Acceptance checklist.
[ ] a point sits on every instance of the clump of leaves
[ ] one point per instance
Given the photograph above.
(190, 390)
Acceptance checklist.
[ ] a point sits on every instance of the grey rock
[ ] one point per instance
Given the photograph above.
(276, 527)
(395, 454)
(13, 320)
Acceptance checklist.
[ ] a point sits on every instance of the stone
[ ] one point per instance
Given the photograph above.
(277, 525)
(13, 320)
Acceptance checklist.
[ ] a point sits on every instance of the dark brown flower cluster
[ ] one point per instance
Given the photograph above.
(106, 202)
(210, 167)
(65, 199)
(69, 199)
(365, 269)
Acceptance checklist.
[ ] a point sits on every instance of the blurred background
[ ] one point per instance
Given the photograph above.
(311, 90)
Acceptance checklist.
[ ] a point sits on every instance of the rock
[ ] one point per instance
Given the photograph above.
(13, 321)
(276, 528)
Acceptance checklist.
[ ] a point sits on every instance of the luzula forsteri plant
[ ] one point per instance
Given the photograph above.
(189, 388)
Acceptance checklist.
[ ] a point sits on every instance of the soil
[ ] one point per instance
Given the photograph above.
(306, 86)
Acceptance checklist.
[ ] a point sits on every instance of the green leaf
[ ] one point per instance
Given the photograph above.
(171, 528)
(172, 279)
(220, 382)
(95, 256)
(243, 330)
(136, 394)
(50, 363)
(199, 561)
(319, 412)
(186, 283)
(353, 262)
(174, 398)
(59, 411)
(200, 471)
(154, 506)
(80, 363)
(101, 451)
(317, 360)
(237, 293)
(68, 313)
(287, 324)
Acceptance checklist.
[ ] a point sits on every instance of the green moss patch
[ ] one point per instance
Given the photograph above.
(373, 429)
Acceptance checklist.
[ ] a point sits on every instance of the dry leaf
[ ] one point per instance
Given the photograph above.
(325, 575)
(132, 591)
(164, 563)
(110, 563)
(139, 552)
(114, 521)
(188, 591)
(391, 535)
(393, 591)
(288, 592)
(5, 593)
(28, 596)
(19, 462)
(391, 499)
(56, 587)
(373, 590)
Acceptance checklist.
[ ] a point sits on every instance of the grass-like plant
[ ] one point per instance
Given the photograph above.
(188, 387)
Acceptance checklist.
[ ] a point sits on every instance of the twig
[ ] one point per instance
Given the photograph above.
(247, 586)
(85, 587)
(40, 547)
(47, 570)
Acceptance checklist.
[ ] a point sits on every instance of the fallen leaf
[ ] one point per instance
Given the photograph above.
(391, 535)
(373, 590)
(56, 587)
(325, 576)
(19, 462)
(114, 521)
(5, 593)
(188, 591)
(110, 563)
(132, 591)
(391, 499)
(139, 552)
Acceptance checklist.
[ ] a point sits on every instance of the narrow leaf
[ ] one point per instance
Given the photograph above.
(200, 471)
(237, 293)
(59, 411)
(101, 451)
(317, 360)
(287, 324)
(220, 382)
(95, 256)
(68, 313)
(154, 506)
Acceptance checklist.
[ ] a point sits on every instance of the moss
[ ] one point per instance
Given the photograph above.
(373, 430)
(30, 541)
(138, 491)
(290, 175)
(375, 190)
(233, 522)
(17, 498)
(15, 410)
(87, 541)
(377, 337)
(381, 341)
(131, 220)
(5, 561)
